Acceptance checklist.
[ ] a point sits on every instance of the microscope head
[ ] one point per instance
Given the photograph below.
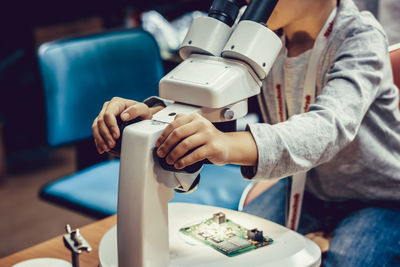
(224, 64)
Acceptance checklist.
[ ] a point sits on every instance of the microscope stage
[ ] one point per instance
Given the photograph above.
(281, 247)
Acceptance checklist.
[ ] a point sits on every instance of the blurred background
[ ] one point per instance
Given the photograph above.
(26, 160)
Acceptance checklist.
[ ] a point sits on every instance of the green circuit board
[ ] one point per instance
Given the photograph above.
(226, 236)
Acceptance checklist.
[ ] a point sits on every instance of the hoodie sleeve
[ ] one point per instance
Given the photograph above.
(306, 140)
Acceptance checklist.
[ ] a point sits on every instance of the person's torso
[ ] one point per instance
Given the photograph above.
(369, 167)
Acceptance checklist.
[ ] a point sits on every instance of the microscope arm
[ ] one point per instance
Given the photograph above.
(145, 188)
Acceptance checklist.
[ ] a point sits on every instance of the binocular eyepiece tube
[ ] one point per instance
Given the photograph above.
(227, 11)
(259, 10)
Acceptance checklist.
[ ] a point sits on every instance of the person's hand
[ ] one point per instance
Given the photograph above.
(192, 132)
(105, 128)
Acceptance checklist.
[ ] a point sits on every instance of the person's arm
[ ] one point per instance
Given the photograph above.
(243, 149)
(194, 132)
(307, 140)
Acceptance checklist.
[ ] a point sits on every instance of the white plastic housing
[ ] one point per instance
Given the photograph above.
(142, 200)
(210, 82)
(207, 36)
(143, 193)
(254, 44)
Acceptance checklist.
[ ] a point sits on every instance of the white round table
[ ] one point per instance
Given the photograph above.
(288, 249)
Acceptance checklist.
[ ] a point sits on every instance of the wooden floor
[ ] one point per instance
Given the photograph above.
(25, 220)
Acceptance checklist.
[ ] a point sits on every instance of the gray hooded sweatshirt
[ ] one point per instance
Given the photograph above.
(349, 140)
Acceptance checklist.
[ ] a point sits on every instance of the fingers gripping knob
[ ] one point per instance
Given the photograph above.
(169, 167)
(116, 150)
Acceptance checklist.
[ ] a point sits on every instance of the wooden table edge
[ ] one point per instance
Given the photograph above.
(54, 248)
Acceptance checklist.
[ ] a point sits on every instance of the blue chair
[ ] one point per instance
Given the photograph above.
(79, 75)
(219, 186)
(94, 191)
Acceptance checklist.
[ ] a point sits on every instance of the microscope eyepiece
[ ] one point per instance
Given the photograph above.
(259, 10)
(226, 10)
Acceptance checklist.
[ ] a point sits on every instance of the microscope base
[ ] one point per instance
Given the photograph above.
(289, 248)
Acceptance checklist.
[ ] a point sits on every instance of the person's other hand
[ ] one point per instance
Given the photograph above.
(105, 128)
(192, 132)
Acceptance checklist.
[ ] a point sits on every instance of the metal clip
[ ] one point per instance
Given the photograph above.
(75, 242)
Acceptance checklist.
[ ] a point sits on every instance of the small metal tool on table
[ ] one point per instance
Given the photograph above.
(75, 242)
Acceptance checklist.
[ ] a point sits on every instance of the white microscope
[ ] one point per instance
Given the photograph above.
(223, 66)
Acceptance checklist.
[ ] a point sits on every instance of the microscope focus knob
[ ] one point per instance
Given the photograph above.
(228, 114)
(189, 169)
